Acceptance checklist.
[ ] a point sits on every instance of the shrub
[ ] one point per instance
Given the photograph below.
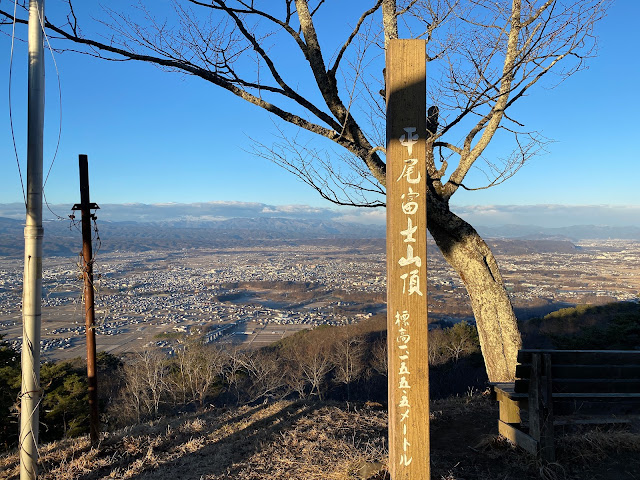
(9, 390)
(64, 411)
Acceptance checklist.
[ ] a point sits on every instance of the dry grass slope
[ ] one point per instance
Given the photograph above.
(314, 441)
(279, 440)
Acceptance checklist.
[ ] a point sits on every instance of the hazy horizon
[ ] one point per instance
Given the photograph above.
(544, 215)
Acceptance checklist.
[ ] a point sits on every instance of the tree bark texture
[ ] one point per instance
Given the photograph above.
(389, 21)
(471, 257)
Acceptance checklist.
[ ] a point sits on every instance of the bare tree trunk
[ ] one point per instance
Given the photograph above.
(389, 21)
(471, 257)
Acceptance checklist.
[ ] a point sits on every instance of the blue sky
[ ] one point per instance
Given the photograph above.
(159, 137)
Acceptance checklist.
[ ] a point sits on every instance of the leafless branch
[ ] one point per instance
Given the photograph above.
(363, 17)
(322, 171)
(484, 56)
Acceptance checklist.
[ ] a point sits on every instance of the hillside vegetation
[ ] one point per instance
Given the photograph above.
(310, 406)
(313, 440)
(615, 326)
(346, 363)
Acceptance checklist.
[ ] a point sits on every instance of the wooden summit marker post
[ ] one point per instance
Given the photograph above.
(407, 261)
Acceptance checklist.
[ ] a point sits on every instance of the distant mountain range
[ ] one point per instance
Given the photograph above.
(573, 233)
(61, 238)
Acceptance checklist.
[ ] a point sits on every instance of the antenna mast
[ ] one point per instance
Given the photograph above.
(31, 392)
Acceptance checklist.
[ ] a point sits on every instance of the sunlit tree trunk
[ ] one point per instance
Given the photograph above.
(389, 21)
(471, 257)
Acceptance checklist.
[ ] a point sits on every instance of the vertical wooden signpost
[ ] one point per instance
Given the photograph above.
(407, 261)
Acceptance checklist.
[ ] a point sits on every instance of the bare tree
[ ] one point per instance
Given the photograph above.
(294, 378)
(484, 56)
(133, 391)
(233, 373)
(146, 384)
(198, 368)
(438, 352)
(266, 377)
(462, 340)
(348, 359)
(309, 361)
(379, 357)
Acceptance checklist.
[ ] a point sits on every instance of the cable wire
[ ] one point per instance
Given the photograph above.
(13, 137)
(55, 154)
(55, 65)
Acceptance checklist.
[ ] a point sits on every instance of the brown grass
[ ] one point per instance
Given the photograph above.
(313, 441)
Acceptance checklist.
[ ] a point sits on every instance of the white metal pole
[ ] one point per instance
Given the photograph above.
(33, 234)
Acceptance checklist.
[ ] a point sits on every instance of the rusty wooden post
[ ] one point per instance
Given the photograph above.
(407, 329)
(85, 208)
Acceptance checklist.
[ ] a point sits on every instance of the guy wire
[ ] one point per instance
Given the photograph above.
(55, 65)
(13, 137)
(55, 154)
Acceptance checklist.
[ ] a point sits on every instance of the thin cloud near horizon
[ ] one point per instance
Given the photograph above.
(544, 215)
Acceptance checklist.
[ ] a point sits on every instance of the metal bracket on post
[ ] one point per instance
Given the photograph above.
(92, 206)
